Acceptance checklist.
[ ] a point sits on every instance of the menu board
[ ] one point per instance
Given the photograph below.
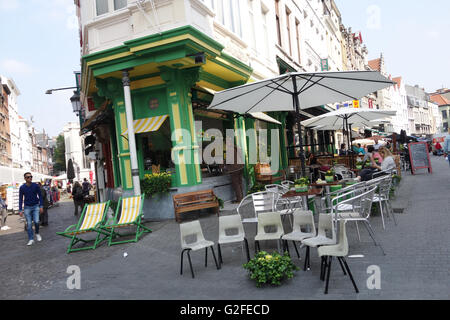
(419, 156)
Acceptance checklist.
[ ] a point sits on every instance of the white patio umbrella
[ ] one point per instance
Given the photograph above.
(296, 91)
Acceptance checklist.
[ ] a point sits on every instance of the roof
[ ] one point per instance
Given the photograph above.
(398, 80)
(440, 100)
(375, 64)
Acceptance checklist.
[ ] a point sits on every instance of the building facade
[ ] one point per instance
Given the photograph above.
(443, 104)
(418, 112)
(156, 65)
(7, 91)
(75, 150)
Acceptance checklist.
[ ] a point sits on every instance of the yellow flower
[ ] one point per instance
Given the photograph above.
(268, 257)
(260, 259)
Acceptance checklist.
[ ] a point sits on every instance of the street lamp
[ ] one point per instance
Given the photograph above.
(76, 103)
(50, 91)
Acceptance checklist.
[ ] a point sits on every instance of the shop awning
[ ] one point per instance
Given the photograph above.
(147, 124)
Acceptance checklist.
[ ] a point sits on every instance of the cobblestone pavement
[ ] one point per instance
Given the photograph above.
(415, 265)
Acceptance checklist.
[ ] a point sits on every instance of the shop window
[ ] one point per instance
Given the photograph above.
(156, 149)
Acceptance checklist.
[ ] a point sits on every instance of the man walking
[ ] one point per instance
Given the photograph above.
(30, 195)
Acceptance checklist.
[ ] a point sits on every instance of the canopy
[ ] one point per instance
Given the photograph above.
(264, 117)
(312, 89)
(147, 124)
(296, 91)
(353, 116)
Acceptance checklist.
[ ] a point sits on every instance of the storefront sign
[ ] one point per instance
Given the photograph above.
(355, 103)
(324, 64)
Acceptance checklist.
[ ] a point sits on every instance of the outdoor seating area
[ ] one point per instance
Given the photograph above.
(323, 228)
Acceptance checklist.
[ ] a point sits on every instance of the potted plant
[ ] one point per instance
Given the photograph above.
(271, 269)
(302, 184)
(359, 164)
(329, 175)
(156, 183)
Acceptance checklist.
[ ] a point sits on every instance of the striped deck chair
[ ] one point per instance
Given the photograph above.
(131, 214)
(92, 218)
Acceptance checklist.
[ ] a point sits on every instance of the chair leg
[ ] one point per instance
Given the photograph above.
(219, 252)
(372, 235)
(286, 247)
(257, 248)
(206, 257)
(350, 274)
(214, 256)
(247, 249)
(307, 265)
(342, 266)
(328, 274)
(392, 211)
(296, 250)
(380, 203)
(322, 268)
(357, 230)
(190, 262)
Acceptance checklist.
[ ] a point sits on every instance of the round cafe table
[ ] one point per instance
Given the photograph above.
(304, 195)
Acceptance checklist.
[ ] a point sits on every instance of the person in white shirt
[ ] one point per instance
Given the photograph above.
(387, 164)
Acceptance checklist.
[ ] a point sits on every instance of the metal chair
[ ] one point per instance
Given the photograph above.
(228, 224)
(192, 239)
(362, 206)
(382, 196)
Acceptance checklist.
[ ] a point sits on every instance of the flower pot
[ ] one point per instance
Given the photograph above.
(329, 178)
(301, 188)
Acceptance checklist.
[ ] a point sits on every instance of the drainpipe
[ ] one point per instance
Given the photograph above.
(131, 137)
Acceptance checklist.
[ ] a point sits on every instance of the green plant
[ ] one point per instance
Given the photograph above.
(221, 202)
(272, 268)
(155, 183)
(304, 181)
(257, 187)
(330, 173)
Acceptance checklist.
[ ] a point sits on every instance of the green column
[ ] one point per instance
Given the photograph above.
(185, 147)
(112, 88)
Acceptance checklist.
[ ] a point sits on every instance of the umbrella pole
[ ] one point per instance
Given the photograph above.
(297, 110)
(351, 146)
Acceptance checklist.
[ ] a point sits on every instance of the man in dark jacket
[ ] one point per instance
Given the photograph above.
(30, 195)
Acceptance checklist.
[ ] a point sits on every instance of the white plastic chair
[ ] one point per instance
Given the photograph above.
(192, 239)
(227, 224)
(302, 220)
(325, 224)
(340, 250)
(269, 220)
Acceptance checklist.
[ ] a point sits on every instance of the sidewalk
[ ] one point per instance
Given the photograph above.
(415, 265)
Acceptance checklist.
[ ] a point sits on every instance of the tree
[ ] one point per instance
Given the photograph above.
(60, 155)
(70, 171)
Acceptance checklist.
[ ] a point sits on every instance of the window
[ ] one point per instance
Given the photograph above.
(252, 23)
(265, 37)
(297, 31)
(288, 26)
(101, 6)
(277, 16)
(119, 4)
(229, 14)
(444, 114)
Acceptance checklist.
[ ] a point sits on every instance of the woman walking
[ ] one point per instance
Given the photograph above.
(77, 194)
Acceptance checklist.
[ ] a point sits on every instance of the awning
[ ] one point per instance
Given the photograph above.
(264, 117)
(147, 124)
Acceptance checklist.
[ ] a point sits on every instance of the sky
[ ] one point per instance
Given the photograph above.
(413, 36)
(40, 48)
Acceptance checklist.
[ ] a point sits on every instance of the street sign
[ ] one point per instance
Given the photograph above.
(324, 64)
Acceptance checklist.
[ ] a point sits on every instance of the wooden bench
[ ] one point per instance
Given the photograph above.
(192, 201)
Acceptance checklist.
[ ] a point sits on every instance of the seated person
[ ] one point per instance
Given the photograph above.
(360, 149)
(343, 150)
(388, 164)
